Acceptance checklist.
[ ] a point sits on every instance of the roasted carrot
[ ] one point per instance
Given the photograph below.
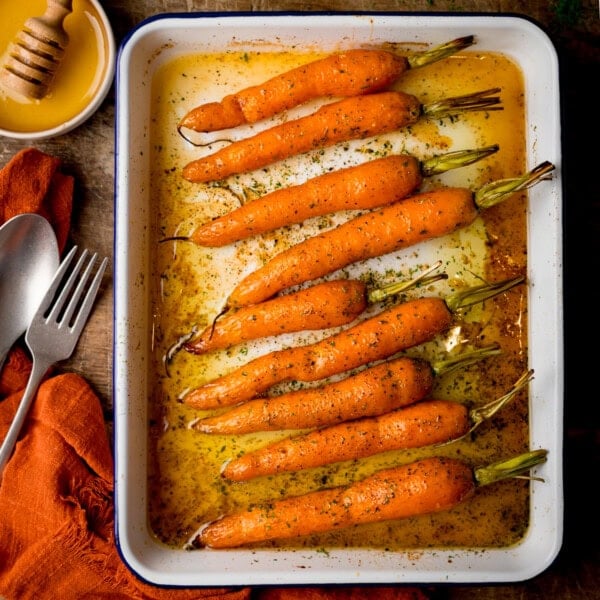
(422, 487)
(371, 392)
(353, 118)
(348, 73)
(395, 329)
(321, 306)
(390, 228)
(325, 305)
(376, 390)
(371, 184)
(429, 422)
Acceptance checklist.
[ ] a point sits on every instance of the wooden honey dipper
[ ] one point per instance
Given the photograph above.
(35, 54)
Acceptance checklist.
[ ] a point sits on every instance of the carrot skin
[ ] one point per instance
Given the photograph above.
(349, 119)
(415, 219)
(325, 305)
(346, 73)
(423, 487)
(422, 424)
(374, 183)
(212, 116)
(400, 327)
(373, 391)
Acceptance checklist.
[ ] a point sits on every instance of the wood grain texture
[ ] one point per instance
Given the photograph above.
(574, 27)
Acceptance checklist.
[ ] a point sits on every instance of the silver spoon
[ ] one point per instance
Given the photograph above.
(28, 261)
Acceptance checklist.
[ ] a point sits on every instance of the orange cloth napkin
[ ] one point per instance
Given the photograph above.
(32, 182)
(56, 493)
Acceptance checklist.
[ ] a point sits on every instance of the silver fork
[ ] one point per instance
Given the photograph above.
(55, 329)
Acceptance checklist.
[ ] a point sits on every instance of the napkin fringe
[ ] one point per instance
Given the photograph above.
(96, 555)
(95, 499)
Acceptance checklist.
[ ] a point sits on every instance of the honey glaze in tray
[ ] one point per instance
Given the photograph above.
(190, 285)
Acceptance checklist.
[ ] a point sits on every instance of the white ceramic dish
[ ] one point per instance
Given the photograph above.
(166, 36)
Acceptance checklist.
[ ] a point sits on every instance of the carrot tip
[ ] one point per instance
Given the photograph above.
(194, 543)
(180, 129)
(224, 467)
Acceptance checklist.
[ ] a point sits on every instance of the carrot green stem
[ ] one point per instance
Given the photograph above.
(420, 59)
(453, 160)
(496, 191)
(487, 411)
(442, 367)
(397, 287)
(478, 101)
(482, 413)
(509, 468)
(474, 295)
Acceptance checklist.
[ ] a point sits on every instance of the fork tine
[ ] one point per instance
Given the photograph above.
(88, 301)
(79, 289)
(56, 281)
(54, 303)
(67, 286)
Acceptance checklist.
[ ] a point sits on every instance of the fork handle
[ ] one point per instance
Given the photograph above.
(38, 370)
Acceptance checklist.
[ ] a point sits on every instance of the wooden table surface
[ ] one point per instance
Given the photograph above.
(574, 27)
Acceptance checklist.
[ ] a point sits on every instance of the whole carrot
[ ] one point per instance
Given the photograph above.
(425, 486)
(371, 184)
(395, 329)
(353, 118)
(348, 73)
(373, 391)
(415, 219)
(423, 424)
(321, 306)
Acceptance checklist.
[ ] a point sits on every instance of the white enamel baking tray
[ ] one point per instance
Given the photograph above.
(160, 38)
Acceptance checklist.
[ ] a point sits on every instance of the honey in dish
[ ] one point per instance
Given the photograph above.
(77, 79)
(190, 285)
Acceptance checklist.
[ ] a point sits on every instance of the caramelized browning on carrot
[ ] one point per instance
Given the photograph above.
(325, 305)
(390, 228)
(361, 187)
(346, 73)
(426, 486)
(377, 182)
(423, 424)
(373, 391)
(395, 329)
(400, 225)
(352, 118)
(321, 306)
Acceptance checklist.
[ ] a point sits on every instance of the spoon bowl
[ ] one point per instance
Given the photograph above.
(29, 258)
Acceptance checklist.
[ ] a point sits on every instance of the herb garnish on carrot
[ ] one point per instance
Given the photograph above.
(353, 118)
(321, 306)
(429, 422)
(348, 73)
(373, 391)
(369, 185)
(415, 219)
(395, 329)
(422, 487)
